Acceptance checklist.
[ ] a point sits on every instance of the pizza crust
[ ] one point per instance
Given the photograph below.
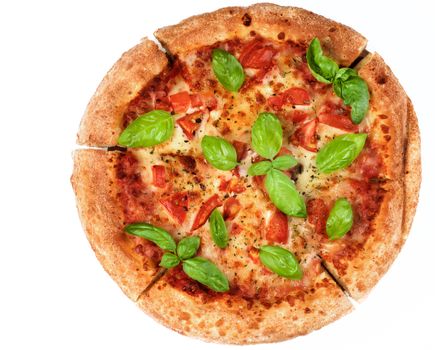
(270, 21)
(233, 320)
(102, 218)
(101, 124)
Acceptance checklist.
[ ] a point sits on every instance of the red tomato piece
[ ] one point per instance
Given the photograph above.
(205, 211)
(257, 55)
(276, 102)
(299, 116)
(177, 206)
(161, 101)
(305, 136)
(209, 100)
(241, 149)
(231, 208)
(337, 116)
(292, 96)
(317, 215)
(159, 175)
(180, 101)
(277, 228)
(195, 100)
(190, 123)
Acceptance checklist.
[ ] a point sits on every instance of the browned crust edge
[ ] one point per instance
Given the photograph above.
(392, 224)
(339, 41)
(233, 320)
(93, 180)
(101, 123)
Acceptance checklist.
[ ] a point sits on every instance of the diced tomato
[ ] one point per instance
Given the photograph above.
(177, 206)
(205, 211)
(299, 116)
(241, 149)
(305, 136)
(233, 185)
(195, 100)
(292, 96)
(180, 101)
(209, 100)
(231, 208)
(317, 215)
(190, 123)
(161, 101)
(159, 175)
(257, 55)
(277, 228)
(337, 116)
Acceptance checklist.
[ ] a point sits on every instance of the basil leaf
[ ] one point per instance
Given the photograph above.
(219, 232)
(169, 260)
(260, 168)
(152, 233)
(340, 152)
(323, 68)
(284, 195)
(219, 152)
(281, 261)
(354, 92)
(340, 219)
(227, 70)
(187, 247)
(267, 135)
(149, 129)
(284, 162)
(207, 273)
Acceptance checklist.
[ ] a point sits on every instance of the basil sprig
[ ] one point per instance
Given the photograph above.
(227, 70)
(219, 153)
(218, 229)
(260, 168)
(197, 268)
(283, 193)
(284, 162)
(281, 261)
(348, 85)
(147, 130)
(267, 135)
(340, 219)
(340, 152)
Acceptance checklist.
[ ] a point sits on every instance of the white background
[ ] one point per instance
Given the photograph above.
(53, 292)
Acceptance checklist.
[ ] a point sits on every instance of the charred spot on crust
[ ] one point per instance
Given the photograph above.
(281, 36)
(332, 29)
(246, 19)
(381, 79)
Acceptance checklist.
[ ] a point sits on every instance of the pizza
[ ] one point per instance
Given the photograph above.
(253, 178)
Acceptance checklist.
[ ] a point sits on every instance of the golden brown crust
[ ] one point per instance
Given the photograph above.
(233, 320)
(101, 123)
(412, 170)
(339, 41)
(387, 115)
(93, 181)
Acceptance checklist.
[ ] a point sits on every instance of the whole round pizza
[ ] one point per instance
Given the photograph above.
(248, 181)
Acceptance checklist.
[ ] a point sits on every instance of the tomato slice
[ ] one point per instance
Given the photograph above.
(337, 116)
(177, 206)
(293, 96)
(277, 228)
(317, 215)
(305, 136)
(231, 208)
(241, 149)
(190, 123)
(205, 211)
(180, 101)
(299, 116)
(276, 102)
(159, 175)
(256, 55)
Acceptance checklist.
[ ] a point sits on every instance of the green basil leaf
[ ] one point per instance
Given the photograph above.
(281, 261)
(284, 162)
(340, 152)
(188, 247)
(219, 152)
(323, 68)
(227, 70)
(284, 195)
(354, 92)
(207, 273)
(149, 129)
(340, 219)
(260, 168)
(152, 233)
(169, 260)
(219, 232)
(267, 135)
